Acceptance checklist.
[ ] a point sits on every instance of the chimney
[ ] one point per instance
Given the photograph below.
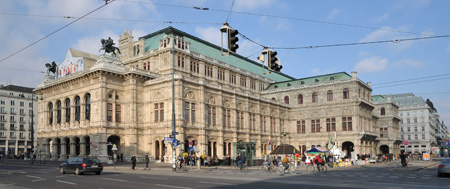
(354, 75)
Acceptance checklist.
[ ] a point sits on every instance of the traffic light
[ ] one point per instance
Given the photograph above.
(232, 40)
(274, 63)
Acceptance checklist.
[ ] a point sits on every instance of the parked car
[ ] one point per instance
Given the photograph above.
(80, 165)
(444, 167)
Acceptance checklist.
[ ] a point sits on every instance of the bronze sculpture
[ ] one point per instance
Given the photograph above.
(51, 67)
(107, 45)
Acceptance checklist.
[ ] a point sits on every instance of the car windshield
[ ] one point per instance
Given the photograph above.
(446, 161)
(87, 160)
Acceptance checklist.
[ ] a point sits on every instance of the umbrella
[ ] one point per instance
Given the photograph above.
(316, 150)
(284, 149)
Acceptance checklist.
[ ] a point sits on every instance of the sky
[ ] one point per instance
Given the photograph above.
(420, 66)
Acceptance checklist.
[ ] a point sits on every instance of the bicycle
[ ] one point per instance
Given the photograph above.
(313, 168)
(241, 168)
(270, 169)
(181, 166)
(290, 170)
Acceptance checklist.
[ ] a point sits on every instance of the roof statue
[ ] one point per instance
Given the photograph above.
(107, 45)
(51, 67)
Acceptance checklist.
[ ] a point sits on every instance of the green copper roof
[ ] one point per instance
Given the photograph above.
(378, 98)
(213, 51)
(309, 80)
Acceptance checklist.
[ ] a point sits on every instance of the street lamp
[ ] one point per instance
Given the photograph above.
(284, 133)
(174, 163)
(32, 128)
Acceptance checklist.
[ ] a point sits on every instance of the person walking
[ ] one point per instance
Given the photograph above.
(121, 157)
(133, 162)
(304, 160)
(147, 160)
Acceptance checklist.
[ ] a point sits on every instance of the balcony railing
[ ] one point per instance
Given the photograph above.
(13, 113)
(3, 120)
(4, 112)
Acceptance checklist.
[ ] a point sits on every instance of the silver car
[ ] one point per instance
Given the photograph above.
(444, 167)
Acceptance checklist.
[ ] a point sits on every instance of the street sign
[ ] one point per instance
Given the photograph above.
(175, 133)
(172, 136)
(406, 143)
(167, 139)
(175, 142)
(190, 143)
(191, 149)
(268, 142)
(195, 143)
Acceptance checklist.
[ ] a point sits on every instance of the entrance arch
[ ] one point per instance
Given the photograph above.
(157, 152)
(384, 149)
(347, 147)
(77, 146)
(113, 139)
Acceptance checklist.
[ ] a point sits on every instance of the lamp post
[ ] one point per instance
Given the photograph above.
(32, 128)
(174, 163)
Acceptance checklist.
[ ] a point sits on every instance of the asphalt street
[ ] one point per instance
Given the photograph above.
(380, 176)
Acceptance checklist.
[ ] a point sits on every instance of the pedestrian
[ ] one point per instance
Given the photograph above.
(304, 160)
(133, 162)
(403, 159)
(121, 157)
(216, 160)
(147, 160)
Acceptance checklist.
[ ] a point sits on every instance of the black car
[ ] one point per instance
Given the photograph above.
(80, 165)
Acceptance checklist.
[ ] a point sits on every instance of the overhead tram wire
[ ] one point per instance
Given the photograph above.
(399, 81)
(229, 13)
(362, 43)
(106, 3)
(282, 17)
(412, 82)
(112, 19)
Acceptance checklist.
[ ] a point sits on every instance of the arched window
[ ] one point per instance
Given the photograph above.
(314, 97)
(346, 93)
(286, 100)
(87, 110)
(300, 99)
(273, 99)
(77, 108)
(67, 110)
(50, 113)
(58, 112)
(383, 111)
(330, 95)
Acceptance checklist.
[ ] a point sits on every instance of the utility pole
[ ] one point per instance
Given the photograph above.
(32, 128)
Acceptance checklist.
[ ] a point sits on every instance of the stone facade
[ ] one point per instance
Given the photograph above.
(223, 104)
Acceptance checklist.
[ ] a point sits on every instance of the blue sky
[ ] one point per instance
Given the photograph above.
(283, 23)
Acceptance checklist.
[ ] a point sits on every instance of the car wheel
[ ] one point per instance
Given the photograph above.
(98, 172)
(77, 171)
(61, 170)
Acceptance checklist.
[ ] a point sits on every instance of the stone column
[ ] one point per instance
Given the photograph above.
(72, 149)
(47, 151)
(83, 149)
(63, 155)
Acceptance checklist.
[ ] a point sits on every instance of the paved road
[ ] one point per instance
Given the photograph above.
(381, 176)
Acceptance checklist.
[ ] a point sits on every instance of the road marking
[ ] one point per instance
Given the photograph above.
(33, 176)
(60, 176)
(154, 178)
(66, 182)
(216, 183)
(38, 180)
(22, 172)
(115, 179)
(172, 186)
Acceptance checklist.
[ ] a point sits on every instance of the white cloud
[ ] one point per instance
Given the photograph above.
(251, 4)
(372, 64)
(333, 14)
(381, 18)
(210, 34)
(408, 63)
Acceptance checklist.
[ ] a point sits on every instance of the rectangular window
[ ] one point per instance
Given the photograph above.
(189, 112)
(416, 137)
(423, 136)
(243, 81)
(2, 102)
(226, 118)
(221, 75)
(299, 127)
(232, 78)
(423, 128)
(156, 112)
(22, 104)
(252, 84)
(211, 115)
(282, 128)
(161, 112)
(313, 126)
(2, 110)
(208, 70)
(383, 132)
(109, 112)
(118, 117)
(331, 124)
(12, 103)
(261, 87)
(195, 67)
(347, 124)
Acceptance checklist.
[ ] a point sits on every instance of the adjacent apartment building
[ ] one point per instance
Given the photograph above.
(17, 106)
(223, 104)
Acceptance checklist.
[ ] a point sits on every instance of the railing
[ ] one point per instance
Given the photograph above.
(13, 113)
(4, 112)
